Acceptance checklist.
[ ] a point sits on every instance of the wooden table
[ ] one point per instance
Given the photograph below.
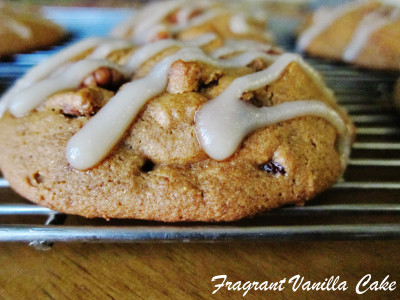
(184, 271)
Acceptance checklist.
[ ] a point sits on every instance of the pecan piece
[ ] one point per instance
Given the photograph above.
(161, 35)
(188, 76)
(183, 77)
(85, 102)
(104, 77)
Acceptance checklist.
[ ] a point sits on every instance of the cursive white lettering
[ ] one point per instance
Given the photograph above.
(220, 285)
(363, 285)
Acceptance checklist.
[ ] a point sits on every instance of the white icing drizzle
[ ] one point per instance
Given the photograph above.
(198, 20)
(110, 46)
(146, 24)
(232, 46)
(103, 131)
(28, 99)
(202, 40)
(238, 24)
(370, 24)
(184, 14)
(222, 123)
(94, 141)
(322, 20)
(148, 21)
(17, 27)
(48, 67)
(146, 52)
(391, 2)
(122, 29)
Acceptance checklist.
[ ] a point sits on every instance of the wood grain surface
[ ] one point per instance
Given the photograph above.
(184, 271)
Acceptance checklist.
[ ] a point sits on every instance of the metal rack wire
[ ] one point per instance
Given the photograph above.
(365, 204)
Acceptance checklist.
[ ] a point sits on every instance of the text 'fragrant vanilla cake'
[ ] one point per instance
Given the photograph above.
(172, 131)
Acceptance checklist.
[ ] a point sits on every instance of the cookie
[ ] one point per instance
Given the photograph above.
(185, 19)
(171, 132)
(22, 31)
(364, 33)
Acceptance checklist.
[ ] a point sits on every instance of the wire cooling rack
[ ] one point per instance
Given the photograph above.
(365, 204)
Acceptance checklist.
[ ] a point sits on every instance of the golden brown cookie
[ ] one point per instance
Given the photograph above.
(186, 19)
(168, 132)
(23, 31)
(365, 33)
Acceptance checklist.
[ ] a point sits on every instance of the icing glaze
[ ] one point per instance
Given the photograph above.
(110, 46)
(146, 52)
(370, 24)
(48, 67)
(322, 20)
(222, 123)
(232, 46)
(238, 24)
(150, 23)
(17, 27)
(29, 98)
(197, 20)
(103, 131)
(94, 141)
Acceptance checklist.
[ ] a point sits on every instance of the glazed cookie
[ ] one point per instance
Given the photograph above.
(366, 33)
(185, 19)
(22, 31)
(170, 132)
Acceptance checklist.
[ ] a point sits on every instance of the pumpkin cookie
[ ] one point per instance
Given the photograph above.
(171, 131)
(183, 19)
(22, 31)
(365, 33)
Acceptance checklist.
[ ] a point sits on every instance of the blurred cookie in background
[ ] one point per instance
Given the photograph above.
(364, 33)
(24, 29)
(188, 19)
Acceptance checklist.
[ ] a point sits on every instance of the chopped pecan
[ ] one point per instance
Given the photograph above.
(84, 102)
(258, 98)
(183, 77)
(209, 75)
(188, 76)
(161, 35)
(106, 78)
(258, 64)
(275, 51)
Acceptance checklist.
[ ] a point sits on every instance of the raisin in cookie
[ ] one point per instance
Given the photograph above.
(365, 33)
(171, 132)
(22, 31)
